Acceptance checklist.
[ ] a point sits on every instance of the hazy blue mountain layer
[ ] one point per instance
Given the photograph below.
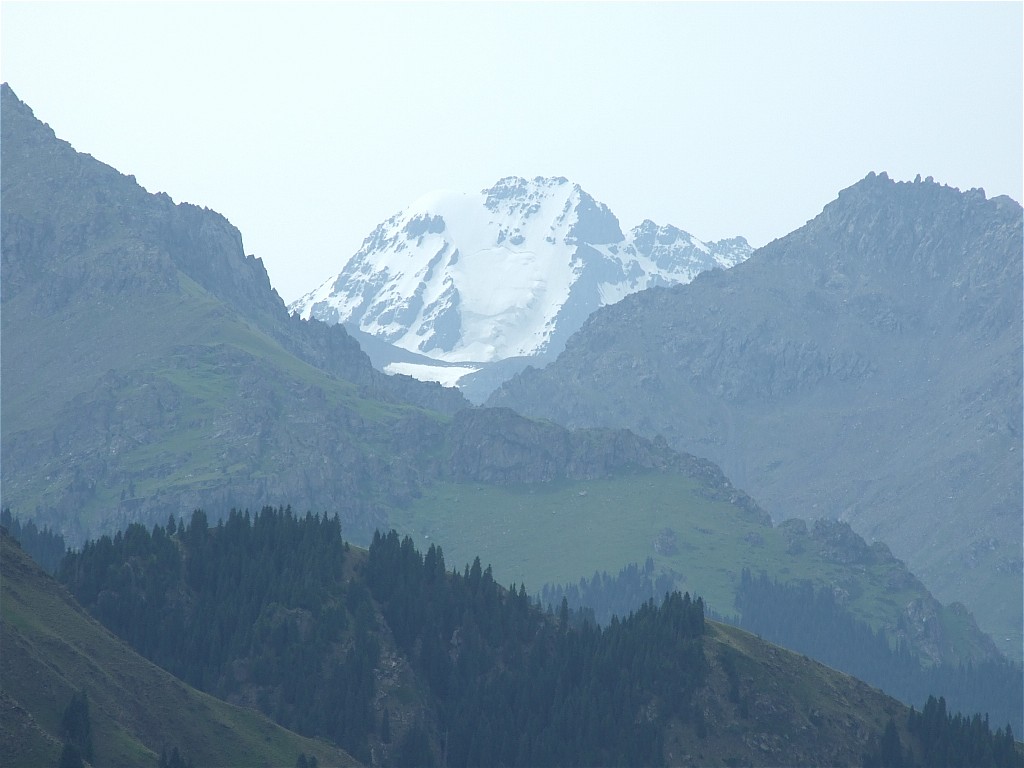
(865, 367)
(149, 369)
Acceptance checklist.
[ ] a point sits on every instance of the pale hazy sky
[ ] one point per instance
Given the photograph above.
(307, 124)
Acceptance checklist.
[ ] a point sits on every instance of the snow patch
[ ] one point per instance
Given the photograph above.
(445, 375)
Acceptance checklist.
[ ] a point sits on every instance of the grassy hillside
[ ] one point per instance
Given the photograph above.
(52, 649)
(562, 531)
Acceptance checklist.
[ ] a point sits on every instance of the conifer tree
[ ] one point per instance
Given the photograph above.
(70, 757)
(76, 725)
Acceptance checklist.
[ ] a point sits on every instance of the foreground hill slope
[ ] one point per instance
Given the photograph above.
(52, 650)
(426, 665)
(865, 367)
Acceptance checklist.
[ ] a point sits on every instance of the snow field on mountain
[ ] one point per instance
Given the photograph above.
(510, 271)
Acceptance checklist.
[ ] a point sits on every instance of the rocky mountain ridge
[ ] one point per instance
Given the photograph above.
(59, 202)
(866, 367)
(133, 390)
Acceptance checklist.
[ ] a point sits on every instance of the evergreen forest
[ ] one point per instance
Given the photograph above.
(519, 689)
(604, 596)
(273, 609)
(256, 604)
(43, 545)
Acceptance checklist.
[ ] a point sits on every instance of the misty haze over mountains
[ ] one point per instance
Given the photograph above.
(884, 331)
(866, 367)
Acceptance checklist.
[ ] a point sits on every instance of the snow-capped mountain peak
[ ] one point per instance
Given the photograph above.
(510, 271)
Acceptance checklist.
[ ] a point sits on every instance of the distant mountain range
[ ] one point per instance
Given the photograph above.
(149, 369)
(867, 367)
(466, 281)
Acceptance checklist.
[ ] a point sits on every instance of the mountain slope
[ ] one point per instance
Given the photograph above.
(52, 649)
(149, 367)
(865, 367)
(149, 370)
(510, 272)
(699, 536)
(77, 232)
(477, 673)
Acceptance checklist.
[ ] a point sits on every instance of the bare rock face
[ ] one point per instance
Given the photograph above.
(866, 367)
(840, 544)
(920, 623)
